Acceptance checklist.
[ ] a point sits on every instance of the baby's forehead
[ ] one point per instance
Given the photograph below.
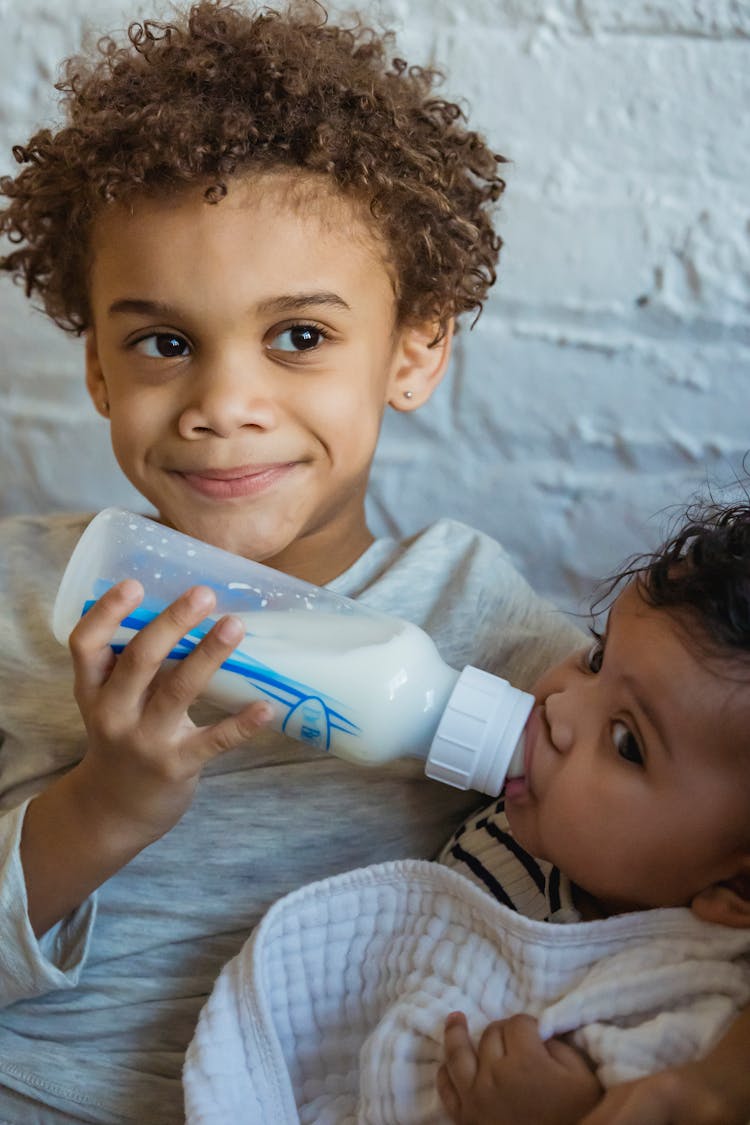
(630, 598)
(665, 640)
(635, 602)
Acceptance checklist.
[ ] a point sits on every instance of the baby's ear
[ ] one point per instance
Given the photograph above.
(728, 902)
(419, 364)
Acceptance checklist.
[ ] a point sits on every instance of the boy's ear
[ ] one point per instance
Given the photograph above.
(95, 384)
(419, 364)
(728, 902)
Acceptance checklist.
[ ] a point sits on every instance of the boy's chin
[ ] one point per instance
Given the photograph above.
(235, 534)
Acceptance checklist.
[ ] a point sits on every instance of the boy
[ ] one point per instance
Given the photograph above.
(264, 231)
(635, 799)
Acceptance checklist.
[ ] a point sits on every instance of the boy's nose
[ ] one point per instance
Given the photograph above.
(225, 401)
(559, 710)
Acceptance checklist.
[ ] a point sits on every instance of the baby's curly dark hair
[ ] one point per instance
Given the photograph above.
(220, 91)
(702, 574)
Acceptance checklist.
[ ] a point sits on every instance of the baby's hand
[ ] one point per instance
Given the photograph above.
(513, 1076)
(145, 754)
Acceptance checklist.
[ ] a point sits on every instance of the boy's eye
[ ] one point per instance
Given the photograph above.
(595, 656)
(626, 744)
(298, 338)
(163, 345)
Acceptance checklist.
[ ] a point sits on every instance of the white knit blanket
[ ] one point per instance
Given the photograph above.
(333, 1011)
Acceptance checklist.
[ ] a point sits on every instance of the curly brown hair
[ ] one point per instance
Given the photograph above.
(222, 91)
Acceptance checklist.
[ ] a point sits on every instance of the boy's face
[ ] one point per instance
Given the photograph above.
(637, 765)
(244, 354)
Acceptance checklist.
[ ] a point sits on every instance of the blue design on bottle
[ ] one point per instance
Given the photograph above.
(310, 717)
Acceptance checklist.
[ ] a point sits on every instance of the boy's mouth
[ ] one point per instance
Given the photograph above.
(244, 480)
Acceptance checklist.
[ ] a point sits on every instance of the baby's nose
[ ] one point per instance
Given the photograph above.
(558, 712)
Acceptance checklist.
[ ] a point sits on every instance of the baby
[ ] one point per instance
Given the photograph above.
(634, 804)
(637, 786)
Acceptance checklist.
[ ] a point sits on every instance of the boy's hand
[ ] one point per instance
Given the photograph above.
(678, 1096)
(513, 1076)
(145, 754)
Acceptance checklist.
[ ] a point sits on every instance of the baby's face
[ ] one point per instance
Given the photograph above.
(244, 353)
(638, 765)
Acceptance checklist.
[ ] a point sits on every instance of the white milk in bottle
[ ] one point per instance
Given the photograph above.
(367, 689)
(341, 677)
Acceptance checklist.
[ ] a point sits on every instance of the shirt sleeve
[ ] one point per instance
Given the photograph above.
(30, 966)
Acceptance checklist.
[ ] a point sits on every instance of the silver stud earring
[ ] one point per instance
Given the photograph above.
(408, 394)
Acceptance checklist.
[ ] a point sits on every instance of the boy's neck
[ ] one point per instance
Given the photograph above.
(319, 558)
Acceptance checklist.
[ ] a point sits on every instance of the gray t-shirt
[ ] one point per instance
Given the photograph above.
(96, 1016)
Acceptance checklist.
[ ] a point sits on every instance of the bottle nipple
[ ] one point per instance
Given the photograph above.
(517, 765)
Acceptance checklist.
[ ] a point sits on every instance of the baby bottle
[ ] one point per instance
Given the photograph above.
(341, 677)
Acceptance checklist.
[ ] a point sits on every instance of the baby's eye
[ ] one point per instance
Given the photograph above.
(298, 338)
(626, 744)
(163, 345)
(594, 657)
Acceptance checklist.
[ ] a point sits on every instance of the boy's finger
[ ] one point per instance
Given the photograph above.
(143, 655)
(460, 1056)
(89, 641)
(231, 732)
(181, 684)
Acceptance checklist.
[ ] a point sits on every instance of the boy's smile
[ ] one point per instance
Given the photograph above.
(638, 765)
(244, 353)
(243, 480)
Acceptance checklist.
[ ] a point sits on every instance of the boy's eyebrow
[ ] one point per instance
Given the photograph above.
(143, 308)
(291, 302)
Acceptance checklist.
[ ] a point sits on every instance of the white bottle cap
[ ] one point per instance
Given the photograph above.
(478, 742)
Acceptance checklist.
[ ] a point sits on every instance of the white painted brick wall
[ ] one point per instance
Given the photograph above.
(608, 376)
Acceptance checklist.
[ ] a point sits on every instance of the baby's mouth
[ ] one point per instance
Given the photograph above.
(517, 788)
